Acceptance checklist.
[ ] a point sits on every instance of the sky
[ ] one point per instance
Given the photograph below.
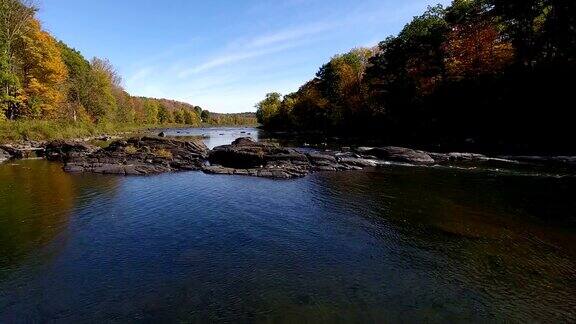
(222, 55)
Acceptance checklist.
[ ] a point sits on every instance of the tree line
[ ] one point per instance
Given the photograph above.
(44, 79)
(488, 72)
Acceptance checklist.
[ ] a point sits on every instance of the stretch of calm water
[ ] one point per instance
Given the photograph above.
(398, 243)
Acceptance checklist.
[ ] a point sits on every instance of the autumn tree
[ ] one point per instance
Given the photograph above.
(475, 49)
(43, 73)
(205, 115)
(178, 116)
(151, 108)
(100, 100)
(268, 108)
(164, 115)
(15, 18)
(191, 117)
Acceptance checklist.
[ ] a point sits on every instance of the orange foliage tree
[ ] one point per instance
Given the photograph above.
(476, 49)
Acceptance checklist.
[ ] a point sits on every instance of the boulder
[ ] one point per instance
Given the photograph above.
(244, 153)
(247, 157)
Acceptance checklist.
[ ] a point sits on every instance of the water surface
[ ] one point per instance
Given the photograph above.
(397, 243)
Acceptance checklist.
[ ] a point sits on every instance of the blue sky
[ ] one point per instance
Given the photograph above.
(223, 55)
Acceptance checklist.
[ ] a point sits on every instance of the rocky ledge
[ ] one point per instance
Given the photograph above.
(153, 155)
(246, 157)
(136, 156)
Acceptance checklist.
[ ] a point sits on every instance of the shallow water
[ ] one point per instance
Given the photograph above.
(397, 243)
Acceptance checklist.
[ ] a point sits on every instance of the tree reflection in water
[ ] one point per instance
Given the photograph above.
(36, 201)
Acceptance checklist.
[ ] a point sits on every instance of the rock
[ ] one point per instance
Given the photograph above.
(244, 153)
(4, 155)
(321, 159)
(466, 157)
(247, 157)
(28, 150)
(136, 156)
(399, 154)
(363, 163)
(105, 138)
(65, 150)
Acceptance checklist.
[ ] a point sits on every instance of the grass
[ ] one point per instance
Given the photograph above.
(25, 130)
(164, 154)
(15, 131)
(130, 149)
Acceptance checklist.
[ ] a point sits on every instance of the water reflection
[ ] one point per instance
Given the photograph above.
(511, 238)
(402, 243)
(36, 202)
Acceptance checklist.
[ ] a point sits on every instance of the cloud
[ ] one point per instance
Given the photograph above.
(139, 75)
(227, 59)
(259, 46)
(290, 34)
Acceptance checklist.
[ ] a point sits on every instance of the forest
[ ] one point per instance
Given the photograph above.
(490, 73)
(45, 82)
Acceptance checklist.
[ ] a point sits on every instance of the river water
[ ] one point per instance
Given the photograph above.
(399, 243)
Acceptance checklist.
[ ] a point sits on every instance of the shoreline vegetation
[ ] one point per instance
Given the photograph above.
(481, 74)
(50, 91)
(46, 130)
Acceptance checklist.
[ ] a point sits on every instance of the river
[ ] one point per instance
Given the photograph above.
(417, 244)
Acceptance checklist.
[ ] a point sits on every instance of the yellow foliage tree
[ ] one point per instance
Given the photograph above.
(43, 73)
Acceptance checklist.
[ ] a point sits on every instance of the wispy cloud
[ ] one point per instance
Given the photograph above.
(259, 46)
(235, 57)
(290, 34)
(140, 74)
